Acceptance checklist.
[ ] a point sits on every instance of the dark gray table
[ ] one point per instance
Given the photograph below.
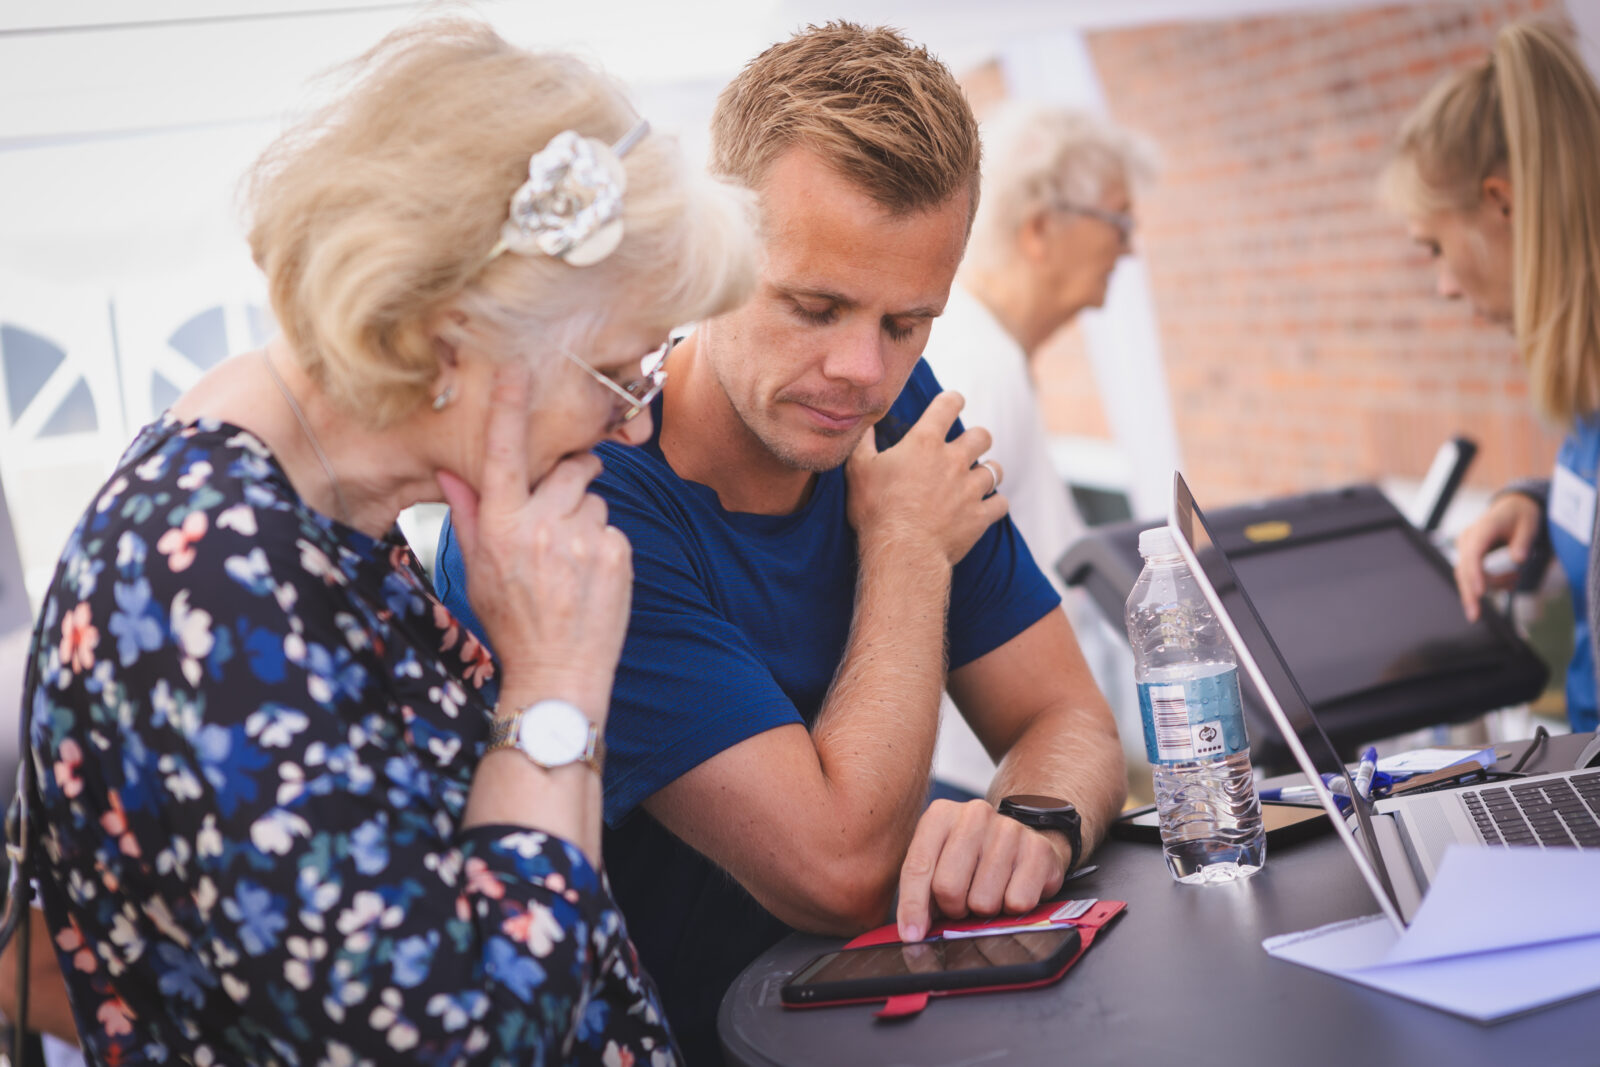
(1180, 977)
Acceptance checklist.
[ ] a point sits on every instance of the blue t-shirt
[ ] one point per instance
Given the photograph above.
(739, 623)
(1580, 456)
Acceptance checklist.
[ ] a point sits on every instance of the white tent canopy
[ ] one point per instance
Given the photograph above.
(102, 102)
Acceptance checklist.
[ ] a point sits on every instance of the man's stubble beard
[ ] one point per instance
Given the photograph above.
(772, 439)
(768, 433)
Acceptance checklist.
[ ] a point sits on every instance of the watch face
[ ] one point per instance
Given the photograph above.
(553, 733)
(1028, 804)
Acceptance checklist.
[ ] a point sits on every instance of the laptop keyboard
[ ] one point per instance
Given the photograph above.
(1556, 812)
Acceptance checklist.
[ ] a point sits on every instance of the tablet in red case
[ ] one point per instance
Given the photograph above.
(1086, 921)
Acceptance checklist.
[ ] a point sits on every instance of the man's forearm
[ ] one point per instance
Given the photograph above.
(876, 731)
(1072, 753)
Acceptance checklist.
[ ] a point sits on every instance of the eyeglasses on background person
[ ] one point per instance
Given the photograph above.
(1121, 221)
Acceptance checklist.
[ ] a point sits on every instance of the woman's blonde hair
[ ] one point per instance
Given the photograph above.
(375, 216)
(1531, 112)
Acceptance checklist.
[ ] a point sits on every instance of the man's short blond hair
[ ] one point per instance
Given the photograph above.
(884, 113)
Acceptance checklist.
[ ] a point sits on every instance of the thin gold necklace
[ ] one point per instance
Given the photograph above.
(311, 438)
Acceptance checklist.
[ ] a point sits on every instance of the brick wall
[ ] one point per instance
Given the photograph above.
(1304, 346)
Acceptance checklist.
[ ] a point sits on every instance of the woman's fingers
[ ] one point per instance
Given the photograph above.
(1470, 549)
(549, 579)
(565, 489)
(506, 478)
(592, 513)
(463, 507)
(505, 461)
(1523, 533)
(1512, 520)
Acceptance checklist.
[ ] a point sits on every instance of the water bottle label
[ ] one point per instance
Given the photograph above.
(1199, 719)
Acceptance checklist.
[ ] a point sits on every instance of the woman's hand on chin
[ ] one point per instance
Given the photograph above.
(548, 578)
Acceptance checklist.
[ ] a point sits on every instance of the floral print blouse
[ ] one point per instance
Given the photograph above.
(254, 731)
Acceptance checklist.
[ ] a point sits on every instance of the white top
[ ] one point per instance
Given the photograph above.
(971, 353)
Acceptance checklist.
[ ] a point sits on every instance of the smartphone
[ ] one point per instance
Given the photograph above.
(878, 971)
(1284, 823)
(1456, 772)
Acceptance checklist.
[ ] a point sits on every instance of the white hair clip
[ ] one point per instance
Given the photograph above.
(571, 205)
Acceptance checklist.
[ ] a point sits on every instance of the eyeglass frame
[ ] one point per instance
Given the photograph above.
(651, 382)
(1121, 221)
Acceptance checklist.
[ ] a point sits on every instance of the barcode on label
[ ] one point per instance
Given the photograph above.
(1170, 713)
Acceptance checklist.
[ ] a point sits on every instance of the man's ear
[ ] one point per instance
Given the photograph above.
(1497, 191)
(1033, 236)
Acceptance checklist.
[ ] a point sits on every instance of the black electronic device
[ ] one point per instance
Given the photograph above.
(1362, 606)
(984, 961)
(1439, 485)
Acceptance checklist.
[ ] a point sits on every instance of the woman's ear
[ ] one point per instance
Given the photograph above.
(448, 331)
(444, 387)
(1497, 191)
(445, 351)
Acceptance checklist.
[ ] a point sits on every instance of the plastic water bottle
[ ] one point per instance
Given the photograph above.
(1193, 722)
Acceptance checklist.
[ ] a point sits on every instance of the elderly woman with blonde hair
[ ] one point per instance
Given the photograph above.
(1495, 172)
(286, 808)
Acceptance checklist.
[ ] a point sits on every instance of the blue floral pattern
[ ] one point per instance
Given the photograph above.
(255, 731)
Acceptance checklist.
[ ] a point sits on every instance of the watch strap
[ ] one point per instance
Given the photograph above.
(503, 730)
(1074, 832)
(1069, 823)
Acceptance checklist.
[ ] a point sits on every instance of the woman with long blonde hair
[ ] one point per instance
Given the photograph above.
(1498, 174)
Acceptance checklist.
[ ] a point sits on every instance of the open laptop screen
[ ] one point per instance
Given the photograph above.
(1264, 665)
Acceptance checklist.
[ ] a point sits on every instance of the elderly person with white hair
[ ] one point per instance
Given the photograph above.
(1056, 216)
(286, 808)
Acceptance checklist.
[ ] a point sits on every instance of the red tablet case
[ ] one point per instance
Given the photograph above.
(908, 1004)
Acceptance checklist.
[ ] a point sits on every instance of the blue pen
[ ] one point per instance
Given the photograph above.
(1303, 794)
(1335, 783)
(1369, 764)
(1291, 794)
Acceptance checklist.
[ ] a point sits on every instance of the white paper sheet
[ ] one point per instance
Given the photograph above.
(1501, 932)
(1423, 760)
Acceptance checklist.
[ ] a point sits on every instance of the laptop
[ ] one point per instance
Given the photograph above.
(1397, 842)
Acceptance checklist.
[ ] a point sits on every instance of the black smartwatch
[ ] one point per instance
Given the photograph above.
(1048, 813)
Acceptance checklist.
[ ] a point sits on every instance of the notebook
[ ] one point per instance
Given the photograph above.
(1396, 842)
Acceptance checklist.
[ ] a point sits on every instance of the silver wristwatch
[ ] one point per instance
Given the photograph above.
(552, 733)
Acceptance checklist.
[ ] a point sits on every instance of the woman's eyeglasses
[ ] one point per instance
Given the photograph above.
(636, 395)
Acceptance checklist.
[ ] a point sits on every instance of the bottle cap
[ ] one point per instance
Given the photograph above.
(1157, 542)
